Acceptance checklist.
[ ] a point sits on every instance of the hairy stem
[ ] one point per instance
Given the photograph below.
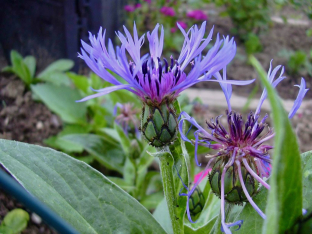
(166, 164)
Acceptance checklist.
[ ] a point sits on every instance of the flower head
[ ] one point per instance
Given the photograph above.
(169, 11)
(138, 5)
(129, 8)
(127, 118)
(197, 15)
(154, 79)
(242, 156)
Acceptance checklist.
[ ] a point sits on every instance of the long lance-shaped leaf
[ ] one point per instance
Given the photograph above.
(285, 196)
(78, 193)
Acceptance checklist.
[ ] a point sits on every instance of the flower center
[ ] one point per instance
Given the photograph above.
(157, 77)
(245, 137)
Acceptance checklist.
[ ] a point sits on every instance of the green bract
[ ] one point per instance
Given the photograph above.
(159, 123)
(197, 202)
(233, 191)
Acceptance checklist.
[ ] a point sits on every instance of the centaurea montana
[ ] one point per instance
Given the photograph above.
(127, 118)
(155, 81)
(242, 159)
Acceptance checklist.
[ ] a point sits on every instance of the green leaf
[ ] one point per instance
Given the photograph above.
(30, 62)
(57, 78)
(20, 68)
(124, 139)
(110, 133)
(61, 100)
(8, 69)
(253, 44)
(81, 82)
(151, 201)
(207, 217)
(202, 230)
(5, 230)
(181, 163)
(161, 214)
(253, 222)
(149, 182)
(16, 220)
(307, 179)
(106, 152)
(124, 96)
(121, 183)
(58, 142)
(60, 65)
(129, 171)
(284, 205)
(78, 193)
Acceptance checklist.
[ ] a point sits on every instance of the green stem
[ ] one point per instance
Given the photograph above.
(166, 164)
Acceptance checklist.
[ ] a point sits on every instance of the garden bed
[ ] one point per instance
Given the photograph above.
(23, 119)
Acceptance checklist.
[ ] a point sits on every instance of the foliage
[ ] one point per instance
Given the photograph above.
(247, 16)
(304, 5)
(253, 44)
(82, 196)
(298, 61)
(25, 69)
(14, 222)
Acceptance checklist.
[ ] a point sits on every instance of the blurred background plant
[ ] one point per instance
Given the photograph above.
(147, 13)
(14, 222)
(298, 62)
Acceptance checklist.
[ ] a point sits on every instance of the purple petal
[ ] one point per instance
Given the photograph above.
(238, 223)
(298, 101)
(106, 91)
(270, 77)
(246, 192)
(118, 105)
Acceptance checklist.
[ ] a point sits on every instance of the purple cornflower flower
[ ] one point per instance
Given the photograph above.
(242, 159)
(197, 15)
(155, 81)
(138, 5)
(150, 78)
(127, 118)
(169, 11)
(129, 8)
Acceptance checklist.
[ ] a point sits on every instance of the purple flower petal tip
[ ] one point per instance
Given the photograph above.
(238, 223)
(299, 99)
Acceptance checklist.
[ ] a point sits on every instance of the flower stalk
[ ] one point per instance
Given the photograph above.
(166, 165)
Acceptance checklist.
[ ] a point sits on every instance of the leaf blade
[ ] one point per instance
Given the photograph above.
(78, 193)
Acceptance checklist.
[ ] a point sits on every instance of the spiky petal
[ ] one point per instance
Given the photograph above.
(242, 156)
(150, 77)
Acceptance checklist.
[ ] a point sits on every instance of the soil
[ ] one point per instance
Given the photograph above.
(23, 119)
(35, 225)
